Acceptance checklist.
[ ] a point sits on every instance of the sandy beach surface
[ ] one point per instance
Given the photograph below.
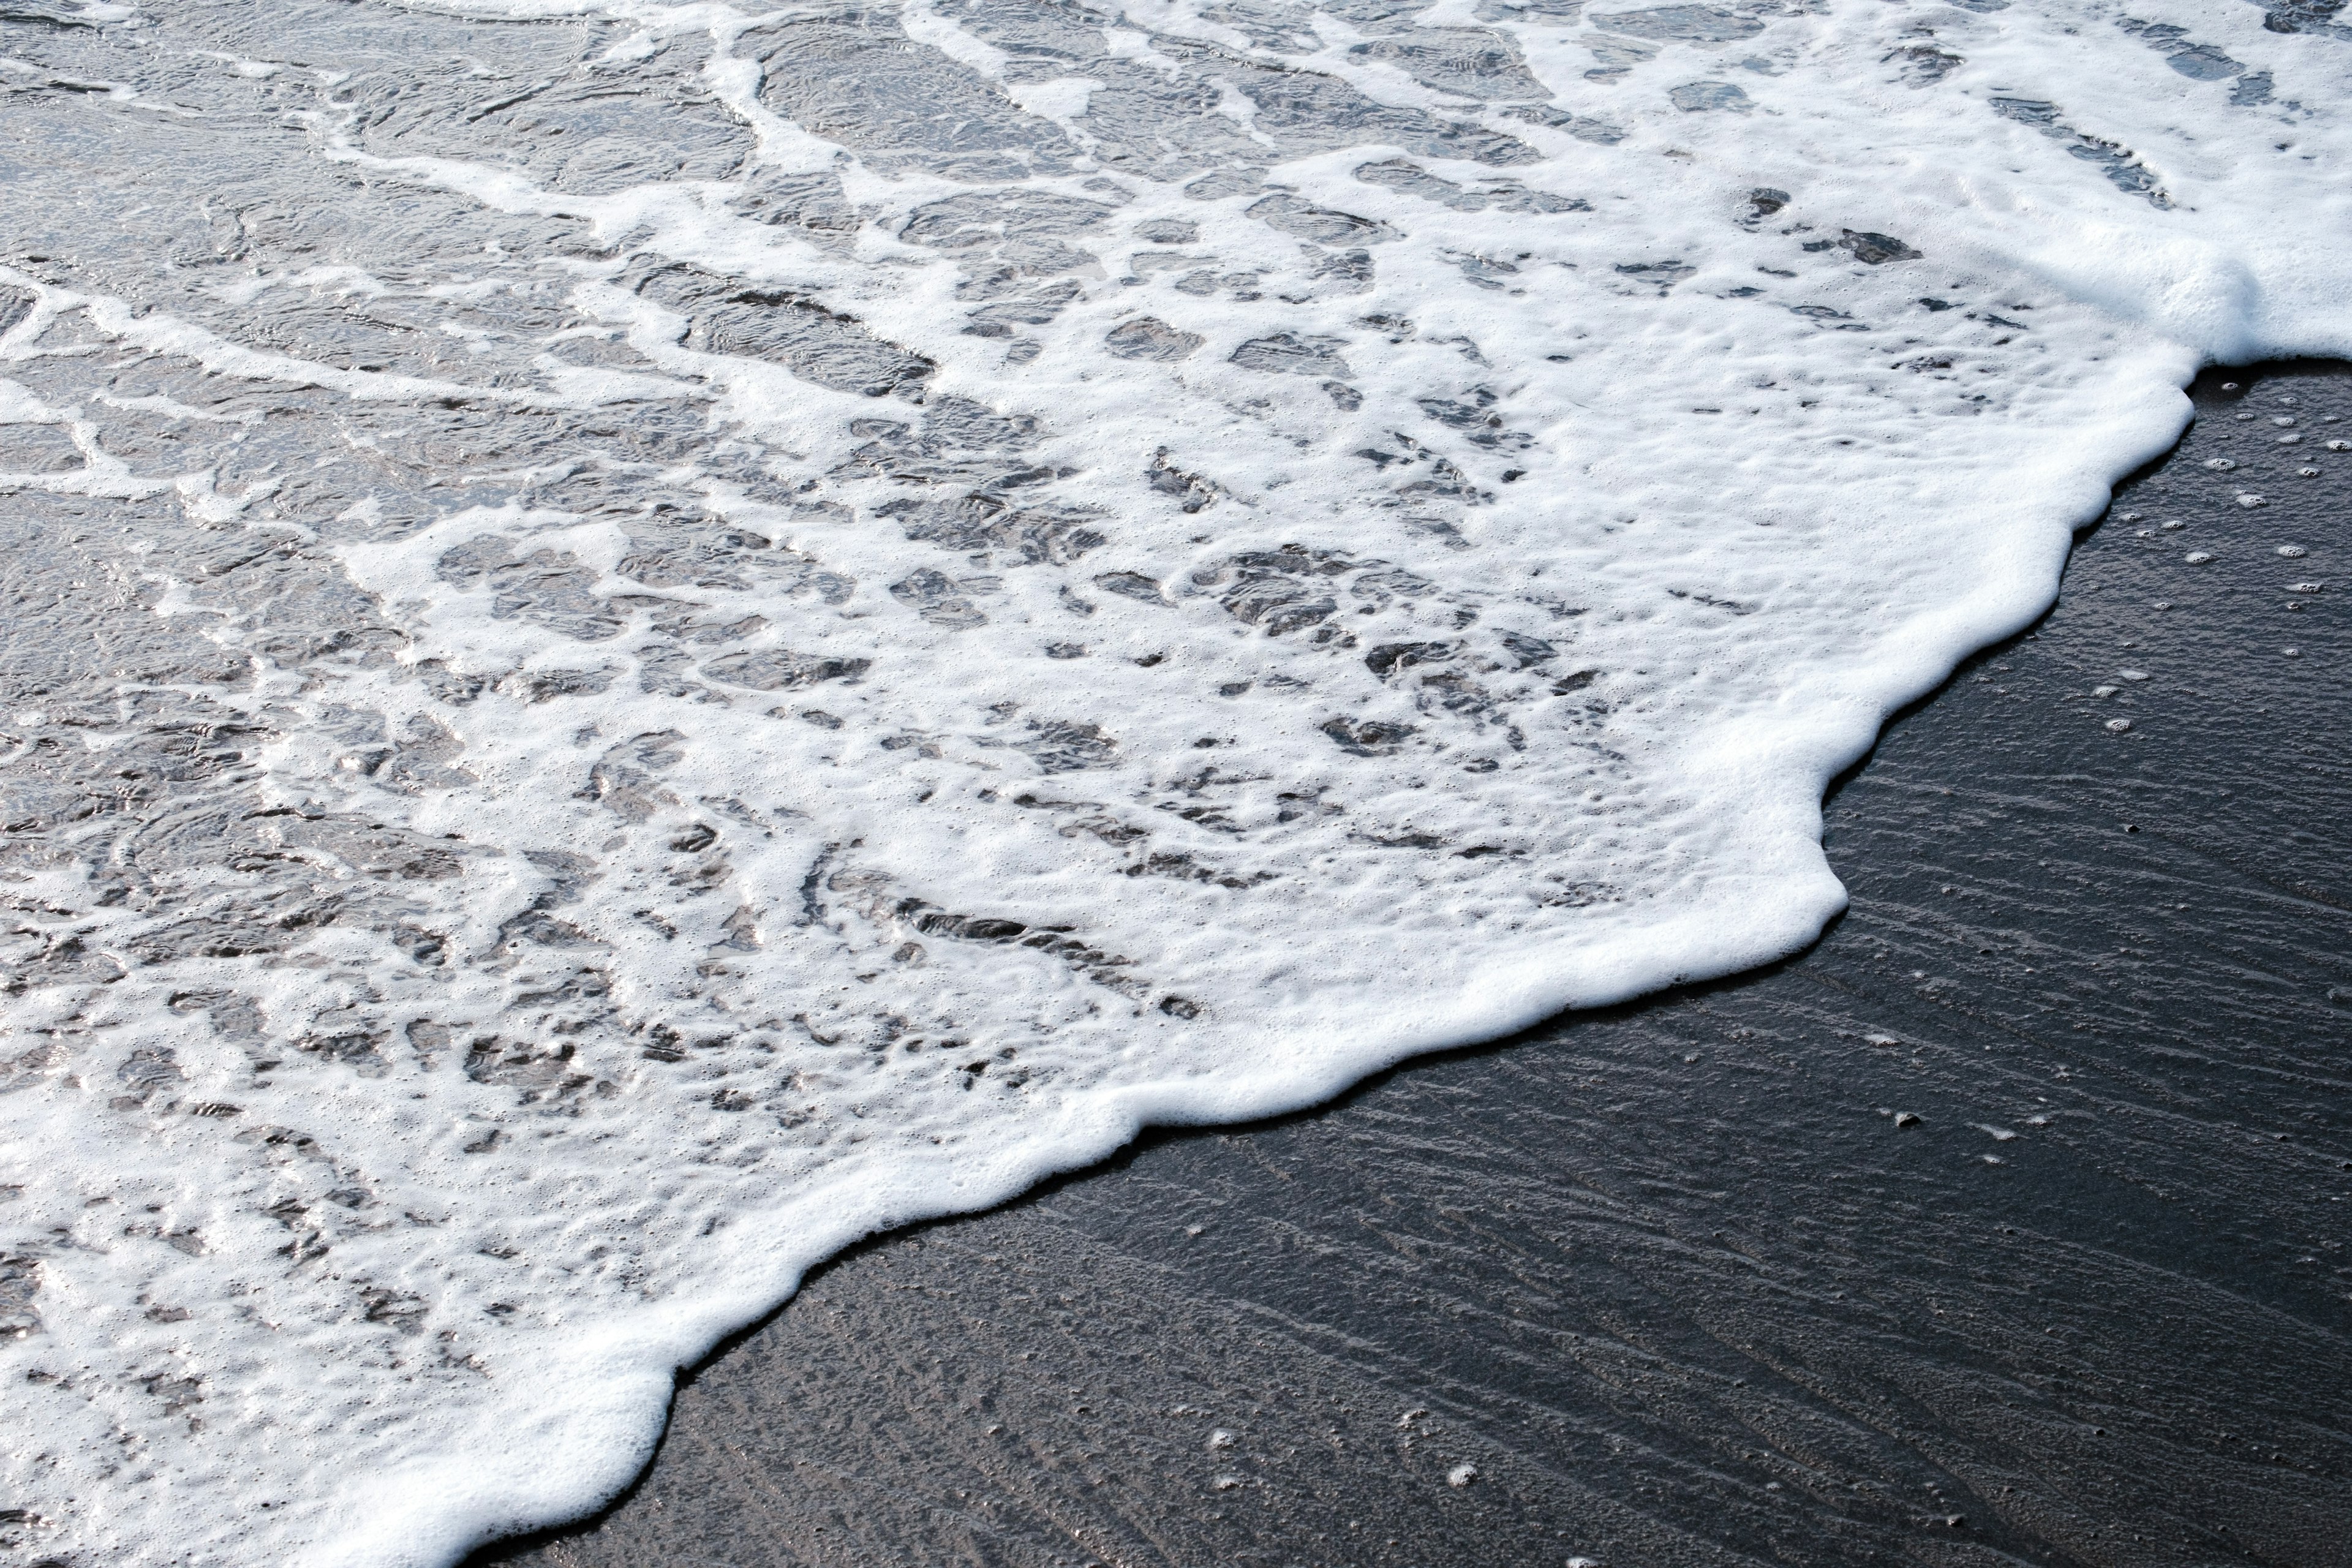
(2007, 1225)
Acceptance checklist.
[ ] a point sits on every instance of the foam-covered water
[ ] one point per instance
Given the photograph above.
(643, 640)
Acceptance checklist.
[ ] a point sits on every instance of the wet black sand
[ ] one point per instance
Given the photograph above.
(1684, 1282)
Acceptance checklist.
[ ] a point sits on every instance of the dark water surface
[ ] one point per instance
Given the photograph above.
(2008, 1225)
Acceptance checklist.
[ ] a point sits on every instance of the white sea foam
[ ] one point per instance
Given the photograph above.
(603, 717)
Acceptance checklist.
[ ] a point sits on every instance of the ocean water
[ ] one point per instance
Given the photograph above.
(643, 640)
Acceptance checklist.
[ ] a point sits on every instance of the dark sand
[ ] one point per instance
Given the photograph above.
(1678, 1281)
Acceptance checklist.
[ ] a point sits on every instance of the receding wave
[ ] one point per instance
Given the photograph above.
(645, 638)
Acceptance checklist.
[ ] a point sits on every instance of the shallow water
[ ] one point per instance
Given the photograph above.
(2003, 1224)
(646, 640)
